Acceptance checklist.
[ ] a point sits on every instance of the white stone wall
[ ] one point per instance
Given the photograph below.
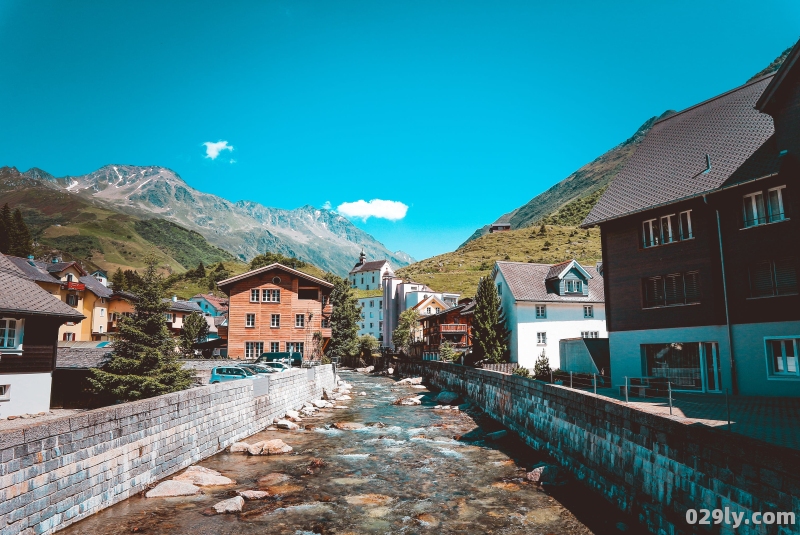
(57, 472)
(29, 393)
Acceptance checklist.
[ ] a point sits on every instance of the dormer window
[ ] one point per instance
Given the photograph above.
(574, 286)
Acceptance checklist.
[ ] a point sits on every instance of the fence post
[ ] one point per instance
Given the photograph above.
(551, 376)
(626, 389)
(594, 380)
(728, 409)
(669, 387)
(570, 379)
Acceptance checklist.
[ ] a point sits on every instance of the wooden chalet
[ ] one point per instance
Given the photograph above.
(453, 325)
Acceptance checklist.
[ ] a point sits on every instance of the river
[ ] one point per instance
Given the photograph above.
(410, 469)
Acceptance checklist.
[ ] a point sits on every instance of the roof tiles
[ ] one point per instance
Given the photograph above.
(527, 283)
(19, 294)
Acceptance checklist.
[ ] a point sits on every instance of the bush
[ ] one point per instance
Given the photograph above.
(522, 372)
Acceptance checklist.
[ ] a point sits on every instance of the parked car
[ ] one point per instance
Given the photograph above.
(292, 358)
(259, 370)
(277, 366)
(230, 373)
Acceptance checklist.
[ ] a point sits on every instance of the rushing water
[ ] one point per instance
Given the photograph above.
(411, 469)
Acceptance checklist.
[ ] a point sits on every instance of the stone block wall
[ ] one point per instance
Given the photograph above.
(653, 466)
(55, 473)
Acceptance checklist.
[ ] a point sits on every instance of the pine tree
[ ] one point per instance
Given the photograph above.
(344, 320)
(490, 336)
(5, 229)
(403, 335)
(144, 362)
(118, 280)
(195, 329)
(20, 237)
(541, 369)
(200, 271)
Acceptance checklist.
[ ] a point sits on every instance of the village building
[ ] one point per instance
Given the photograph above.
(211, 305)
(178, 310)
(30, 318)
(452, 325)
(501, 225)
(277, 309)
(544, 304)
(366, 279)
(700, 235)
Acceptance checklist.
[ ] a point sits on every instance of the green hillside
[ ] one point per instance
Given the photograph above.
(460, 270)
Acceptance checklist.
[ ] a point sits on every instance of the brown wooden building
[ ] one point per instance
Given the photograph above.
(275, 309)
(453, 325)
(700, 235)
(29, 321)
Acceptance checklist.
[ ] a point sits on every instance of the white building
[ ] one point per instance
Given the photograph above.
(399, 296)
(544, 304)
(366, 278)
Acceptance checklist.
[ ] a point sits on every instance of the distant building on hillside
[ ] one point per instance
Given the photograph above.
(501, 225)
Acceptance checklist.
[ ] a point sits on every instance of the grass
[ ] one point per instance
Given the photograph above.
(460, 270)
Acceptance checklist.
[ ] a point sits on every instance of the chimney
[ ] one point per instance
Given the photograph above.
(174, 298)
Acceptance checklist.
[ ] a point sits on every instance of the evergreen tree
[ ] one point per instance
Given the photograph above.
(490, 336)
(344, 321)
(195, 329)
(5, 229)
(276, 258)
(200, 271)
(118, 280)
(20, 237)
(403, 335)
(133, 281)
(541, 369)
(144, 362)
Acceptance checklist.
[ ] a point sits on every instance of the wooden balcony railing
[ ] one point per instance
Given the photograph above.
(450, 328)
(71, 285)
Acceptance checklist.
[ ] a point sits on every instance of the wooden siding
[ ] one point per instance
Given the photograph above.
(38, 348)
(626, 263)
(288, 307)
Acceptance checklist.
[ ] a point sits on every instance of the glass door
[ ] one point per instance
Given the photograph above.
(712, 376)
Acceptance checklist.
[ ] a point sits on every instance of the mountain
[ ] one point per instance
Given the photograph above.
(244, 228)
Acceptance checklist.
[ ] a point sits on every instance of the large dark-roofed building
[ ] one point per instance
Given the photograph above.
(700, 245)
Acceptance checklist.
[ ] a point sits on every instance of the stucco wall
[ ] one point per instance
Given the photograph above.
(30, 393)
(751, 359)
(654, 467)
(57, 472)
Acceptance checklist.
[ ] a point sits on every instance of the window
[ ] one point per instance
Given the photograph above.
(428, 310)
(362, 280)
(72, 300)
(775, 201)
(754, 210)
(276, 280)
(574, 286)
(380, 304)
(299, 320)
(250, 320)
(499, 289)
(590, 334)
(272, 296)
(367, 286)
(274, 347)
(326, 323)
(671, 289)
(371, 314)
(667, 229)
(9, 329)
(588, 311)
(295, 347)
(372, 304)
(541, 311)
(169, 317)
(254, 295)
(686, 225)
(307, 293)
(69, 337)
(371, 325)
(70, 277)
(782, 357)
(541, 338)
(773, 277)
(275, 320)
(650, 233)
(253, 349)
(373, 278)
(5, 392)
(102, 312)
(380, 325)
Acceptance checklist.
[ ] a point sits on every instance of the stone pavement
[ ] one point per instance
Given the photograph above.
(774, 420)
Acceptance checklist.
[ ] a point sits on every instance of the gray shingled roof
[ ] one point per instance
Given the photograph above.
(57, 267)
(374, 265)
(670, 164)
(82, 357)
(184, 306)
(527, 283)
(33, 270)
(20, 295)
(95, 286)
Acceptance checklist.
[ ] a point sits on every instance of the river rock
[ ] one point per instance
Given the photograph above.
(413, 400)
(343, 397)
(253, 494)
(348, 426)
(308, 405)
(170, 488)
(272, 479)
(368, 499)
(390, 371)
(546, 474)
(497, 435)
(410, 381)
(203, 477)
(368, 369)
(269, 447)
(446, 397)
(362, 393)
(239, 447)
(292, 415)
(232, 505)
(320, 404)
(286, 424)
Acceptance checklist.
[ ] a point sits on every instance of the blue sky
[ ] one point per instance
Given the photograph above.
(459, 110)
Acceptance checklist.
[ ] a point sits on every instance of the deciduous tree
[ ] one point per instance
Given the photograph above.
(403, 335)
(344, 320)
(367, 345)
(195, 329)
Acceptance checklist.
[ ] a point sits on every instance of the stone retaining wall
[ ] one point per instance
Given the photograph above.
(652, 466)
(57, 472)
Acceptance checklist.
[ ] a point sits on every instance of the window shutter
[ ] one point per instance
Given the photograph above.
(673, 288)
(654, 291)
(691, 281)
(785, 277)
(761, 279)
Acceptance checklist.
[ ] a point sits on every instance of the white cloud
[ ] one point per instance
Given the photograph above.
(233, 161)
(327, 205)
(213, 149)
(391, 210)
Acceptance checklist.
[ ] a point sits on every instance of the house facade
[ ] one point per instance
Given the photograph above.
(30, 318)
(211, 305)
(544, 304)
(366, 278)
(699, 236)
(452, 325)
(274, 309)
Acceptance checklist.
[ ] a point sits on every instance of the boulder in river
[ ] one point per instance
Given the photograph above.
(170, 488)
(239, 447)
(253, 494)
(231, 505)
(286, 424)
(546, 474)
(203, 477)
(343, 397)
(362, 393)
(272, 479)
(348, 426)
(320, 404)
(293, 416)
(411, 400)
(269, 447)
(446, 397)
(497, 435)
(410, 381)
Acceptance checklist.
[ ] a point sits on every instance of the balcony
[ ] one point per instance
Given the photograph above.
(71, 285)
(454, 328)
